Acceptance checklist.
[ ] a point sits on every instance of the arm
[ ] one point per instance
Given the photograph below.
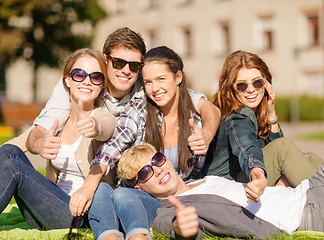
(242, 129)
(82, 198)
(43, 142)
(57, 107)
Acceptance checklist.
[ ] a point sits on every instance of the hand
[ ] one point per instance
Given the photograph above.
(80, 201)
(86, 125)
(49, 145)
(186, 221)
(255, 188)
(198, 140)
(271, 99)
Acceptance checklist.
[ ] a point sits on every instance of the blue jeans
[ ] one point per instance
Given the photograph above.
(43, 204)
(102, 207)
(136, 210)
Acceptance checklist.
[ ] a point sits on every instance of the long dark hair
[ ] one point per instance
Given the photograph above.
(226, 99)
(167, 56)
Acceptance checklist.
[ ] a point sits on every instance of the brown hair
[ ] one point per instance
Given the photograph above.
(153, 133)
(81, 53)
(226, 99)
(131, 161)
(124, 37)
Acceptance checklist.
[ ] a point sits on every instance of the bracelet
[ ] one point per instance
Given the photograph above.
(274, 121)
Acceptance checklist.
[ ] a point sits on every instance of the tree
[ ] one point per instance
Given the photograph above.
(45, 31)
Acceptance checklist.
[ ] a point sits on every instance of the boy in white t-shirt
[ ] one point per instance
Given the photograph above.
(218, 206)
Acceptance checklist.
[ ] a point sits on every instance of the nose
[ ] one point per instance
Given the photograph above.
(250, 88)
(157, 170)
(87, 80)
(126, 70)
(155, 86)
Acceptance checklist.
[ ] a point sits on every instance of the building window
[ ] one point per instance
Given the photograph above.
(309, 29)
(184, 44)
(147, 4)
(263, 33)
(183, 2)
(116, 6)
(312, 84)
(150, 38)
(221, 39)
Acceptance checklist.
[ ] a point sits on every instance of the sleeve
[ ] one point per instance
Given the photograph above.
(123, 137)
(105, 123)
(57, 107)
(195, 97)
(242, 134)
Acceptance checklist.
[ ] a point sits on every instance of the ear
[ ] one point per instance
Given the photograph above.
(179, 77)
(105, 57)
(66, 79)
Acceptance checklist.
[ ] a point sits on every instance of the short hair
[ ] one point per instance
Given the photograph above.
(124, 37)
(131, 161)
(83, 52)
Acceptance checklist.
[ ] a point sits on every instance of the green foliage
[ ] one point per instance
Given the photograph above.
(310, 108)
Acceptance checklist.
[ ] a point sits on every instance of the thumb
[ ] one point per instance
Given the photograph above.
(194, 127)
(176, 202)
(52, 131)
(82, 114)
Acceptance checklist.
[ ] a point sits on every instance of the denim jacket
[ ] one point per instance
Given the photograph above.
(236, 146)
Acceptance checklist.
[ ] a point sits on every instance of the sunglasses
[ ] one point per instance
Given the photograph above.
(96, 78)
(119, 63)
(258, 84)
(77, 222)
(146, 172)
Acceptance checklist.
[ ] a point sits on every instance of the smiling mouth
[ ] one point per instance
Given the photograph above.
(251, 96)
(165, 179)
(86, 90)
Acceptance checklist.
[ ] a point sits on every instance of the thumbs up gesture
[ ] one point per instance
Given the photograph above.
(186, 221)
(256, 187)
(86, 125)
(198, 143)
(49, 145)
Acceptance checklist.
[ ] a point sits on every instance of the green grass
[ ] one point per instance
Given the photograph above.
(4, 139)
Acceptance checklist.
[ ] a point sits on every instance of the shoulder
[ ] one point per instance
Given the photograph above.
(244, 113)
(195, 94)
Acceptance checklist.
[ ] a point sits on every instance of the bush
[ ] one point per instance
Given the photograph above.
(310, 108)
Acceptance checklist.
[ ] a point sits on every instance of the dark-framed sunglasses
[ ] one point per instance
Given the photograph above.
(258, 84)
(96, 78)
(77, 222)
(119, 63)
(146, 172)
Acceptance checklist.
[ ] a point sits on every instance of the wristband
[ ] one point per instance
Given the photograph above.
(274, 121)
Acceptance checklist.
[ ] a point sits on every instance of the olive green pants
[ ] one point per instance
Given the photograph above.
(283, 157)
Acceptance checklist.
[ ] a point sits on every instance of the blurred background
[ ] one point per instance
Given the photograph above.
(36, 37)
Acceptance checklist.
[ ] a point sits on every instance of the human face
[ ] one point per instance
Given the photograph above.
(251, 97)
(121, 81)
(161, 85)
(84, 90)
(164, 182)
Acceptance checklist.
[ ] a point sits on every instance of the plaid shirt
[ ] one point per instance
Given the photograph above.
(130, 131)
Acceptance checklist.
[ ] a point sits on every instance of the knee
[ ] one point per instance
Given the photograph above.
(104, 191)
(284, 143)
(122, 194)
(10, 151)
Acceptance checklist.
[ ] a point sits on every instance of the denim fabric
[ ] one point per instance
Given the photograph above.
(313, 215)
(136, 210)
(236, 146)
(103, 209)
(43, 204)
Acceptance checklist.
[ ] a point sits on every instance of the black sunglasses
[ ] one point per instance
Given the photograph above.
(119, 63)
(258, 84)
(146, 172)
(77, 222)
(96, 78)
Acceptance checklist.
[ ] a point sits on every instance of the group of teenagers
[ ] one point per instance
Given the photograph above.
(131, 148)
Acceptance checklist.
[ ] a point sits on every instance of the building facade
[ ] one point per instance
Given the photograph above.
(287, 34)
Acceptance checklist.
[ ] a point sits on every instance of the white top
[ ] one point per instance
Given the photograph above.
(281, 206)
(70, 177)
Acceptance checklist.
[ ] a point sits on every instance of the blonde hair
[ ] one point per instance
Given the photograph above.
(132, 160)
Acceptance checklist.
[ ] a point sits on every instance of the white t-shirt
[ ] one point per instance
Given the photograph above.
(70, 177)
(281, 206)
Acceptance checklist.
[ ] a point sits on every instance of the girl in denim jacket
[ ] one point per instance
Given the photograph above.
(249, 142)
